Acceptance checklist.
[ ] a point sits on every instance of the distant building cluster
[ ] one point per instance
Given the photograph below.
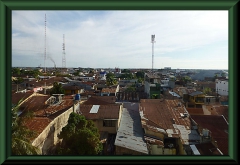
(136, 111)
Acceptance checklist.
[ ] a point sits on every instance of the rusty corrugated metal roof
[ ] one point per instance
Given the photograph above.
(218, 127)
(16, 97)
(167, 117)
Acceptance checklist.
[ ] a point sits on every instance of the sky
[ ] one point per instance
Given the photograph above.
(191, 39)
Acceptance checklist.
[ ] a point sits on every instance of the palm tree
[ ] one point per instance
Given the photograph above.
(18, 81)
(21, 143)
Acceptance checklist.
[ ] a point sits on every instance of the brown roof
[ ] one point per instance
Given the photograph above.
(207, 84)
(37, 124)
(49, 81)
(53, 111)
(207, 149)
(195, 111)
(37, 105)
(16, 97)
(162, 113)
(72, 87)
(218, 127)
(220, 110)
(100, 100)
(104, 112)
(108, 90)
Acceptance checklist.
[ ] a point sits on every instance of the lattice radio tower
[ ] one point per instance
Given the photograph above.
(63, 56)
(153, 41)
(45, 54)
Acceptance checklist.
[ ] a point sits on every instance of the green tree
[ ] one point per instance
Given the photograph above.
(18, 81)
(21, 143)
(57, 89)
(140, 74)
(16, 71)
(79, 137)
(110, 79)
(125, 71)
(207, 90)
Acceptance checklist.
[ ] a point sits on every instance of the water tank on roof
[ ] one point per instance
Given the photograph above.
(77, 97)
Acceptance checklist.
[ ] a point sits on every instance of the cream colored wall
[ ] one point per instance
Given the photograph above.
(48, 138)
(155, 150)
(157, 134)
(119, 118)
(99, 125)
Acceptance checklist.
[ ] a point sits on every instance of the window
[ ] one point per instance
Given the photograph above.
(109, 123)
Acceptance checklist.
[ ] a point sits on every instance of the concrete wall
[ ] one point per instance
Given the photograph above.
(48, 138)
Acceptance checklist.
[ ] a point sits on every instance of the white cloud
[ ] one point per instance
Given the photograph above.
(123, 38)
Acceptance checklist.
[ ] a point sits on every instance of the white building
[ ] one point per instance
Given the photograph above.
(222, 87)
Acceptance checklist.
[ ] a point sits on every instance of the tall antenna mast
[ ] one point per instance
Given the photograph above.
(63, 57)
(45, 51)
(153, 41)
(45, 54)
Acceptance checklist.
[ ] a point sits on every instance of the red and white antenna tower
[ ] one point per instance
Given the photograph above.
(63, 56)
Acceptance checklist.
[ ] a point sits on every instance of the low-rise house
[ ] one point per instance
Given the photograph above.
(49, 117)
(222, 87)
(214, 129)
(105, 117)
(111, 91)
(72, 89)
(167, 126)
(196, 98)
(152, 85)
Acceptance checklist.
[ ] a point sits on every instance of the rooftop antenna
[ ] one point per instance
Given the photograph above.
(153, 41)
(63, 57)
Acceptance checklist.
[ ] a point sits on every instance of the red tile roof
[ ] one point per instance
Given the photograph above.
(218, 127)
(104, 112)
(100, 100)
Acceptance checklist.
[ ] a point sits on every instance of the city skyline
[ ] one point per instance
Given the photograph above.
(109, 39)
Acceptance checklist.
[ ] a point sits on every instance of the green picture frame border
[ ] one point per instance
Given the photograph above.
(6, 7)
